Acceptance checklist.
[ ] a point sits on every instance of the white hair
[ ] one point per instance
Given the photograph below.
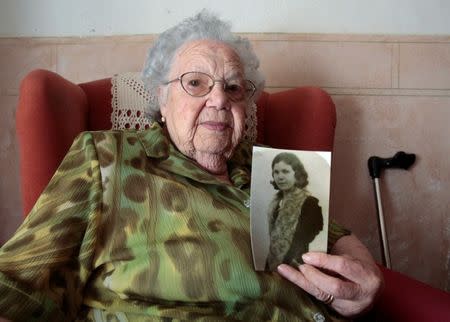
(204, 25)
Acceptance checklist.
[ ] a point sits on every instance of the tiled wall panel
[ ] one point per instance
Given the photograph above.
(326, 64)
(84, 63)
(10, 200)
(425, 66)
(17, 59)
(416, 202)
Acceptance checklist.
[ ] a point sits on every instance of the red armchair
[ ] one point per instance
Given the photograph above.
(53, 110)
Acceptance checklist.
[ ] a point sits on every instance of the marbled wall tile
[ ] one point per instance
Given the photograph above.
(326, 64)
(82, 63)
(416, 202)
(395, 67)
(17, 60)
(10, 199)
(425, 66)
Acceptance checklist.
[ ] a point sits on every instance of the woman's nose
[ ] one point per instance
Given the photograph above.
(218, 98)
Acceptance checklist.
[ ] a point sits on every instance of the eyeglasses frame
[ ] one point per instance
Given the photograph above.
(179, 78)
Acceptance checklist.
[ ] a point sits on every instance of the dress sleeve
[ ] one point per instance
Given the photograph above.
(335, 231)
(45, 265)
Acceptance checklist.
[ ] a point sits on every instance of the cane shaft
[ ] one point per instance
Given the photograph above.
(381, 226)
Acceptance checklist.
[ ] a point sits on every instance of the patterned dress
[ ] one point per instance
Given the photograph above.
(129, 229)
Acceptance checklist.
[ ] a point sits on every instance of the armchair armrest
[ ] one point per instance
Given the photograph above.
(406, 299)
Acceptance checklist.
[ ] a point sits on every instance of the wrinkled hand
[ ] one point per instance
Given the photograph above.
(354, 283)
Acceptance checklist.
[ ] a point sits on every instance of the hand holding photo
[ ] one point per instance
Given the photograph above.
(289, 205)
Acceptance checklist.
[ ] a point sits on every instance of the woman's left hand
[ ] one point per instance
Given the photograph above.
(353, 283)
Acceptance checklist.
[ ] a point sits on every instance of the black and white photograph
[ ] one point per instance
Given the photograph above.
(289, 205)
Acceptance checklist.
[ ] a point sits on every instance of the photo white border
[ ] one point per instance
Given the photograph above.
(318, 166)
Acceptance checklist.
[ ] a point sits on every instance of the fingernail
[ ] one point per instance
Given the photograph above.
(281, 268)
(306, 257)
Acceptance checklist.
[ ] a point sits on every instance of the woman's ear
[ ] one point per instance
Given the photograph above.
(162, 99)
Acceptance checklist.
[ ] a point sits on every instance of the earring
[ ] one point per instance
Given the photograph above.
(163, 119)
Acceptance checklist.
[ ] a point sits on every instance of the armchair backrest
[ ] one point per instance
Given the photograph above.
(52, 111)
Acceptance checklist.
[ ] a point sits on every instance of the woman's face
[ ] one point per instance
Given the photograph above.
(208, 125)
(283, 175)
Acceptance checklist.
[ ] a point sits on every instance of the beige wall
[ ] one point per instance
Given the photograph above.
(391, 92)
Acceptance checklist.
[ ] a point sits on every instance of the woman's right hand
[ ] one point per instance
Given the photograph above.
(354, 283)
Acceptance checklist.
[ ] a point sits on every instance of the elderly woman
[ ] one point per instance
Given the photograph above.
(295, 217)
(153, 225)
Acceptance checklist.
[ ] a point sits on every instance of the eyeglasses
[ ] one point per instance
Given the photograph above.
(199, 84)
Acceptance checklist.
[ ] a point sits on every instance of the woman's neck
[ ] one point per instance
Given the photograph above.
(214, 163)
(211, 162)
(288, 191)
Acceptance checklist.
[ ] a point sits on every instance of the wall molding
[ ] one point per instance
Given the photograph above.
(316, 37)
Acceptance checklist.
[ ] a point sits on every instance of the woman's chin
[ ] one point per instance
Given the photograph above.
(213, 145)
(286, 188)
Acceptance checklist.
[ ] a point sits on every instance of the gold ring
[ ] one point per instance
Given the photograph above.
(329, 299)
